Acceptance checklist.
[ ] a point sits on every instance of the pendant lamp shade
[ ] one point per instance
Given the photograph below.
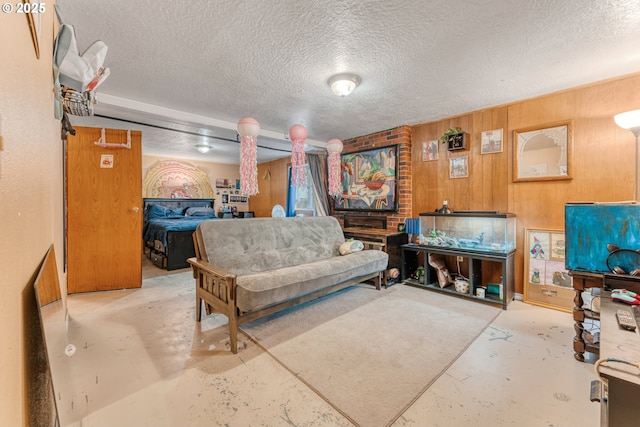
(248, 129)
(298, 134)
(334, 148)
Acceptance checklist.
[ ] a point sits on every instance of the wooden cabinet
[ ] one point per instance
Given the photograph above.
(392, 241)
(374, 229)
(414, 256)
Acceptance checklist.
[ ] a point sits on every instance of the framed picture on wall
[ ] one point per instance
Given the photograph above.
(546, 281)
(543, 153)
(491, 141)
(368, 180)
(429, 150)
(459, 167)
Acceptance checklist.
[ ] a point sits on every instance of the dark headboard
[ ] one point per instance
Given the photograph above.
(179, 203)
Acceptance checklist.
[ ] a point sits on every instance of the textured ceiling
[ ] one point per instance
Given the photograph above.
(202, 65)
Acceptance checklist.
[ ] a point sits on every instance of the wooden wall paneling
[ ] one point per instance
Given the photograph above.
(459, 188)
(280, 173)
(601, 148)
(258, 203)
(272, 191)
(603, 162)
(425, 173)
(495, 165)
(479, 176)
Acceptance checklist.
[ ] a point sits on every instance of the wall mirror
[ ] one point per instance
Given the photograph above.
(543, 153)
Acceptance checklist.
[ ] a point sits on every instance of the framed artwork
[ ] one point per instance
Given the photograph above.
(457, 141)
(368, 180)
(543, 154)
(491, 141)
(459, 167)
(429, 150)
(546, 280)
(223, 183)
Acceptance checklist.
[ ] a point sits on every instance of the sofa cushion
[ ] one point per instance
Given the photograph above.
(255, 245)
(255, 291)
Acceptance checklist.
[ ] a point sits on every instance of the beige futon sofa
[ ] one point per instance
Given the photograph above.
(253, 267)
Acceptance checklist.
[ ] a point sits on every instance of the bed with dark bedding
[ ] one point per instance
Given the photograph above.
(168, 228)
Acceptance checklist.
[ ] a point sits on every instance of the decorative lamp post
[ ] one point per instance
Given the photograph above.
(298, 134)
(248, 128)
(334, 148)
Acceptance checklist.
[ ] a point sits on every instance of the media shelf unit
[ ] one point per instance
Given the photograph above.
(414, 256)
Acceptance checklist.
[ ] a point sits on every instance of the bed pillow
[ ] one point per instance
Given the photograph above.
(175, 213)
(158, 211)
(202, 211)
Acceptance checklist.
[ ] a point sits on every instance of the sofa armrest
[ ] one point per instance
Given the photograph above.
(209, 268)
(215, 285)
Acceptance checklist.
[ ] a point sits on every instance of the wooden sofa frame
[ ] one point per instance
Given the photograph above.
(217, 288)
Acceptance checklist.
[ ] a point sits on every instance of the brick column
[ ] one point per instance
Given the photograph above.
(402, 137)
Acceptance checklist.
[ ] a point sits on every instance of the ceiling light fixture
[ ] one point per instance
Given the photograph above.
(631, 121)
(343, 84)
(203, 148)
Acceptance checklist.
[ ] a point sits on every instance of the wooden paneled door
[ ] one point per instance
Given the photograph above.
(104, 215)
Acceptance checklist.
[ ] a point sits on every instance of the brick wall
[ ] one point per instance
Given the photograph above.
(401, 136)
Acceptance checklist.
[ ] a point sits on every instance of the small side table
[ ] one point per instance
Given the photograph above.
(392, 241)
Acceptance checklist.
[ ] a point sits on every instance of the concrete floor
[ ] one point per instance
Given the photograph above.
(519, 372)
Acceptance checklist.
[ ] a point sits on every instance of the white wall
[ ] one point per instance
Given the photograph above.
(30, 195)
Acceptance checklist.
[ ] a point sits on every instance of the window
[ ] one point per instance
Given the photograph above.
(301, 200)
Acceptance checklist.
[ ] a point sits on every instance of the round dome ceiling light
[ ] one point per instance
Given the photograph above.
(344, 84)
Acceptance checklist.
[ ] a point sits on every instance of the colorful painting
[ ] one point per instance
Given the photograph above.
(547, 281)
(591, 227)
(369, 180)
(429, 150)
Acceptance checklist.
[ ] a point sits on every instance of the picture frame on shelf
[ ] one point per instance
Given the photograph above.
(430, 150)
(491, 141)
(546, 280)
(459, 167)
(543, 153)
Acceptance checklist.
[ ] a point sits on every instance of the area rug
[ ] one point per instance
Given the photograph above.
(370, 353)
